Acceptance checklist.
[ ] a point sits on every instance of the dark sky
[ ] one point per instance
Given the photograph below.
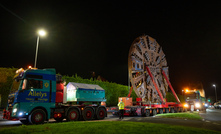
(96, 36)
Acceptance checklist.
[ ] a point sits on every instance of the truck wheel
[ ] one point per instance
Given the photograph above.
(73, 115)
(25, 122)
(38, 116)
(88, 114)
(147, 113)
(101, 112)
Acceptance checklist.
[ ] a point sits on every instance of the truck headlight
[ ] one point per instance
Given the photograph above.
(15, 110)
(186, 105)
(197, 105)
(20, 114)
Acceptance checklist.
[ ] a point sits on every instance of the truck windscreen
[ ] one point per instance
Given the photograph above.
(191, 96)
(15, 85)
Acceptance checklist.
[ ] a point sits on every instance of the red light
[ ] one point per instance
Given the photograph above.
(55, 115)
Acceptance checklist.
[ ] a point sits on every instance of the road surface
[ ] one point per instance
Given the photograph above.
(211, 120)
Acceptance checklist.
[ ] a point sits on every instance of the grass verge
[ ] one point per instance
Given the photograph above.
(187, 115)
(104, 127)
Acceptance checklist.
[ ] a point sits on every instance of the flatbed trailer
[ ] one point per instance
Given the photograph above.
(142, 109)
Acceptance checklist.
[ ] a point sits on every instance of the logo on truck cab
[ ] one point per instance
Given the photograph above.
(37, 94)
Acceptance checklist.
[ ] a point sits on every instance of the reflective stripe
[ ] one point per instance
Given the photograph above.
(121, 105)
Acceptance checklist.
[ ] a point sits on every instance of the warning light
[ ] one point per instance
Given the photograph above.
(29, 67)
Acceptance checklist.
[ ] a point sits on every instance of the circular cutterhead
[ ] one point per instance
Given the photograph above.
(145, 51)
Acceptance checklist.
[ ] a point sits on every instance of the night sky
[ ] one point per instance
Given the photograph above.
(95, 36)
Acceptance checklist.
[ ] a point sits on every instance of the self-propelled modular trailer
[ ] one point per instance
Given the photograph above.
(149, 78)
(41, 95)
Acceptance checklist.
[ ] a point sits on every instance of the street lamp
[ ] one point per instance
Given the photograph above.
(215, 91)
(40, 33)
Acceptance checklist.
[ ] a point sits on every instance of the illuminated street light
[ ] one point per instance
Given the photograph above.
(215, 91)
(40, 33)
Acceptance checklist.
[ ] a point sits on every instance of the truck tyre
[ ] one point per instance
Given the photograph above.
(38, 116)
(73, 115)
(101, 112)
(25, 122)
(147, 113)
(88, 114)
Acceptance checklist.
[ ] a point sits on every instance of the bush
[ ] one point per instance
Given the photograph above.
(6, 80)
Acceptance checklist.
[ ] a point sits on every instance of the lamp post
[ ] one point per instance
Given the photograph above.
(215, 91)
(40, 33)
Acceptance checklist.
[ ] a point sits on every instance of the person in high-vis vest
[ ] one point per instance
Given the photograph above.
(121, 109)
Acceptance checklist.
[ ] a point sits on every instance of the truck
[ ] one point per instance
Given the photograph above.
(38, 95)
(195, 99)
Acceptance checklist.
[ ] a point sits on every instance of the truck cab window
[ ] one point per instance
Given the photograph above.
(35, 84)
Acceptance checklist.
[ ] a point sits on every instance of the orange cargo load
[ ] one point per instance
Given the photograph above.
(127, 101)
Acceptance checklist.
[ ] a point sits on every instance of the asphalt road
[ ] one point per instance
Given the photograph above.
(211, 120)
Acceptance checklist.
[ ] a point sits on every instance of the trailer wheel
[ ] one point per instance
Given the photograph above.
(160, 111)
(38, 116)
(88, 114)
(172, 110)
(101, 112)
(147, 113)
(167, 110)
(154, 112)
(73, 115)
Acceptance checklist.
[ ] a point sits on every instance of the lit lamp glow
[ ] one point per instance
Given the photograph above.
(40, 33)
(215, 91)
